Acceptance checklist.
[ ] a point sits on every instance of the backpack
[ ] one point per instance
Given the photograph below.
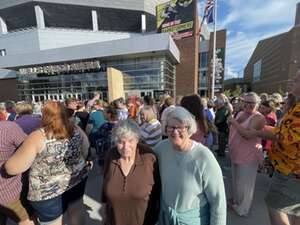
(103, 140)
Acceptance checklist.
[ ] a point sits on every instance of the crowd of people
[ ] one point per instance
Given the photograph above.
(158, 161)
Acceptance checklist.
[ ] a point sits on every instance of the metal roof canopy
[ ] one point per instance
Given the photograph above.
(140, 46)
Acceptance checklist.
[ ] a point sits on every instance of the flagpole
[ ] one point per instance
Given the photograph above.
(214, 52)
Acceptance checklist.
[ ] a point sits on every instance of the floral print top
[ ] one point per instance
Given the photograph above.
(285, 153)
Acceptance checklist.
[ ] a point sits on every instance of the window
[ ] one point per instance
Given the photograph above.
(203, 78)
(2, 52)
(203, 59)
(257, 71)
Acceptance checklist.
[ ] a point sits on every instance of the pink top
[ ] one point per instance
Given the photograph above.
(244, 151)
(199, 135)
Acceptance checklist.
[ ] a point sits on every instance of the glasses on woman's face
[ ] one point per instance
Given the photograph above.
(180, 129)
(248, 103)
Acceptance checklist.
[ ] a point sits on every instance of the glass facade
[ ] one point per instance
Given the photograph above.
(141, 75)
(203, 59)
(257, 71)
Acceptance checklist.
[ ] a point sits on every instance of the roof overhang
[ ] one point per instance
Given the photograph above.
(144, 45)
(7, 74)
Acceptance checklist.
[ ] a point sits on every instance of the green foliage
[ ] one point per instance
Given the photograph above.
(280, 91)
(227, 93)
(237, 92)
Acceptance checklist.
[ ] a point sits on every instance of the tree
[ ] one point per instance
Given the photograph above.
(237, 91)
(280, 91)
(227, 93)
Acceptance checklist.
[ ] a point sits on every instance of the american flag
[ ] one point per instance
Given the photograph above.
(208, 12)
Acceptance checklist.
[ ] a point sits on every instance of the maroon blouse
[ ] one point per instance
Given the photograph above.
(132, 199)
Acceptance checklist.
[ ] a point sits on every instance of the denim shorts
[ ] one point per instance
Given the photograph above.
(50, 210)
(284, 194)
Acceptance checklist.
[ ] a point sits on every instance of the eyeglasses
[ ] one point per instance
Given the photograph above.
(179, 129)
(249, 103)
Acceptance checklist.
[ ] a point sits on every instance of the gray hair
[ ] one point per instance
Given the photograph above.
(183, 116)
(125, 128)
(253, 94)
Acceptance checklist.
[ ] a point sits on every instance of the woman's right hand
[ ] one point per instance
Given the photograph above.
(103, 213)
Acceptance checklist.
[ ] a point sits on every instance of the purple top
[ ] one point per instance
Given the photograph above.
(28, 123)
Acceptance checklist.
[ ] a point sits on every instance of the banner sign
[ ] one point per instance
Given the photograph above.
(176, 17)
(219, 76)
(65, 68)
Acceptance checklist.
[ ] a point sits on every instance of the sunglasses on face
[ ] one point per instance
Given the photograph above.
(249, 103)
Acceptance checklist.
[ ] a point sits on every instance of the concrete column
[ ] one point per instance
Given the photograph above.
(39, 14)
(3, 27)
(143, 23)
(115, 83)
(95, 20)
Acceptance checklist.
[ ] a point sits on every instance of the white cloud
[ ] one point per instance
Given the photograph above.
(230, 73)
(249, 22)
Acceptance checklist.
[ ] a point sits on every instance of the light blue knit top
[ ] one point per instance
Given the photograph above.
(192, 182)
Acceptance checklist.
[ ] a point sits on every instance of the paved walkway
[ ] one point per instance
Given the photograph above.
(257, 216)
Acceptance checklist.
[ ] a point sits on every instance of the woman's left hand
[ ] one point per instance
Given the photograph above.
(230, 120)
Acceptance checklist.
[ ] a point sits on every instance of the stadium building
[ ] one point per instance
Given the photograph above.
(64, 48)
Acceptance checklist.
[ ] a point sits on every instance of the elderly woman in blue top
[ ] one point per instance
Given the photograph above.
(192, 183)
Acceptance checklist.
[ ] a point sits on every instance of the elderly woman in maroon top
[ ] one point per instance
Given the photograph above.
(131, 184)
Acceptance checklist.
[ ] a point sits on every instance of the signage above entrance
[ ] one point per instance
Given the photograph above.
(83, 67)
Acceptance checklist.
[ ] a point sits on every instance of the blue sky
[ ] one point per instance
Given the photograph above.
(247, 22)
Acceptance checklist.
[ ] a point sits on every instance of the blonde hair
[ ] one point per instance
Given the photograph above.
(24, 108)
(254, 95)
(149, 113)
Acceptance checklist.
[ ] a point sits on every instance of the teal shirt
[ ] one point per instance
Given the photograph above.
(97, 120)
(192, 180)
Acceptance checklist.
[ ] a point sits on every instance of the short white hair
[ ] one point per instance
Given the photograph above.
(184, 117)
(124, 129)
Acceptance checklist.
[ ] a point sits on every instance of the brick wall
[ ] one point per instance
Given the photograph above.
(8, 90)
(187, 70)
(280, 61)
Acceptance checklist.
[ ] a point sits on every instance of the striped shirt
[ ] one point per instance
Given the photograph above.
(151, 132)
(11, 137)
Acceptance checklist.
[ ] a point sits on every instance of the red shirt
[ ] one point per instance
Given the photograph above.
(11, 137)
(2, 116)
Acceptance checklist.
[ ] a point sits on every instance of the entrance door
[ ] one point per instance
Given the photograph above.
(38, 98)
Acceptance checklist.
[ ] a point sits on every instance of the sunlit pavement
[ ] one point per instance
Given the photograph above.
(258, 214)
